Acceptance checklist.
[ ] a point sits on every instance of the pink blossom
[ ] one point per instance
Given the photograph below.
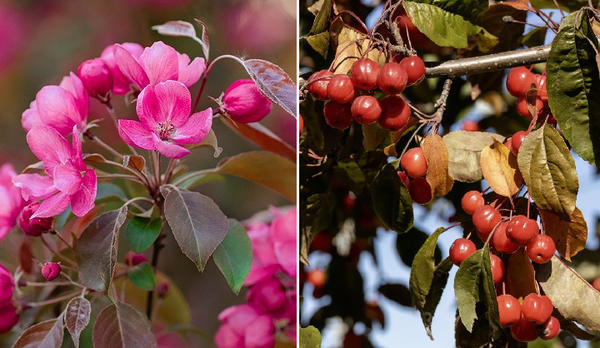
(158, 63)
(96, 77)
(68, 180)
(10, 200)
(51, 270)
(268, 295)
(133, 259)
(7, 284)
(166, 124)
(8, 316)
(283, 232)
(60, 107)
(244, 327)
(36, 226)
(245, 103)
(264, 262)
(121, 84)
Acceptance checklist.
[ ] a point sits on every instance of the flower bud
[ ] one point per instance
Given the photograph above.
(162, 289)
(50, 270)
(96, 77)
(245, 103)
(36, 226)
(8, 316)
(134, 259)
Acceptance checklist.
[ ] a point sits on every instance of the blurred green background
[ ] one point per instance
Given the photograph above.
(42, 40)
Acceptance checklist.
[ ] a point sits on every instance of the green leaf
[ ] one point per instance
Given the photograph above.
(574, 86)
(427, 281)
(264, 168)
(142, 232)
(319, 42)
(201, 180)
(469, 9)
(464, 151)
(434, 23)
(535, 37)
(310, 337)
(568, 5)
(549, 171)
(398, 293)
(234, 255)
(47, 334)
(107, 190)
(97, 248)
(121, 326)
(321, 22)
(142, 276)
(391, 200)
(199, 226)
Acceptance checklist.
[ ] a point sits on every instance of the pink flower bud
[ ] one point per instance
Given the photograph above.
(162, 289)
(7, 284)
(245, 103)
(96, 77)
(36, 226)
(134, 259)
(50, 270)
(8, 316)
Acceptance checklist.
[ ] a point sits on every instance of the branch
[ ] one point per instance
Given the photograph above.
(490, 62)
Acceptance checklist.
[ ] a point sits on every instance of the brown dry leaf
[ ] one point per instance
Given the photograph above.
(499, 168)
(520, 276)
(518, 4)
(569, 236)
(436, 155)
(347, 51)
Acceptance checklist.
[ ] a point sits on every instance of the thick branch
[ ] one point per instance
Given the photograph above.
(490, 62)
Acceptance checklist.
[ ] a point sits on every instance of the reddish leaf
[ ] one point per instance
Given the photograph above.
(569, 236)
(436, 154)
(185, 29)
(263, 137)
(136, 162)
(274, 83)
(122, 326)
(499, 168)
(77, 317)
(520, 278)
(47, 334)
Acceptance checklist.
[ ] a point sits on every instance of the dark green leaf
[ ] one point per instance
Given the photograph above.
(549, 171)
(197, 223)
(234, 255)
(77, 317)
(142, 276)
(142, 232)
(434, 23)
(568, 5)
(464, 151)
(410, 243)
(535, 37)
(469, 9)
(97, 249)
(391, 200)
(574, 85)
(121, 326)
(398, 293)
(47, 334)
(319, 42)
(310, 337)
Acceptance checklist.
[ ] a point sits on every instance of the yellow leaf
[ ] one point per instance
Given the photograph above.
(569, 236)
(436, 155)
(499, 169)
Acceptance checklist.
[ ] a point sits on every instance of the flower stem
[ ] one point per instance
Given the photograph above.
(53, 300)
(207, 72)
(104, 145)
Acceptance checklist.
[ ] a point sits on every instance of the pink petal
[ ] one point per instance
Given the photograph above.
(174, 102)
(190, 73)
(83, 200)
(34, 186)
(77, 151)
(148, 108)
(73, 85)
(57, 108)
(66, 178)
(130, 67)
(31, 117)
(160, 62)
(52, 206)
(49, 146)
(171, 150)
(120, 82)
(195, 129)
(136, 134)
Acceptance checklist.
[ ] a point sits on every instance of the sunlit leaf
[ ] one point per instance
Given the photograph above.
(436, 154)
(499, 169)
(568, 235)
(464, 151)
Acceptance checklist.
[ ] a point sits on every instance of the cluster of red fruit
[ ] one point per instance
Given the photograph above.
(351, 98)
(519, 81)
(533, 317)
(414, 165)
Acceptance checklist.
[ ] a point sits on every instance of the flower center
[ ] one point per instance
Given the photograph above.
(165, 130)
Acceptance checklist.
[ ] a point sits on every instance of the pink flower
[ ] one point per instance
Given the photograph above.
(264, 262)
(121, 84)
(158, 63)
(134, 259)
(166, 124)
(68, 180)
(7, 284)
(60, 107)
(51, 271)
(8, 316)
(10, 200)
(244, 327)
(245, 103)
(36, 226)
(268, 295)
(283, 233)
(96, 77)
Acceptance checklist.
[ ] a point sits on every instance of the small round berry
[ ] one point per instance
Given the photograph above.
(485, 218)
(414, 163)
(517, 140)
(460, 250)
(364, 73)
(596, 283)
(509, 310)
(340, 89)
(392, 78)
(550, 328)
(501, 242)
(51, 270)
(471, 201)
(523, 109)
(337, 115)
(497, 267)
(524, 330)
(415, 69)
(536, 308)
(321, 242)
(521, 229)
(317, 84)
(541, 248)
(404, 178)
(365, 109)
(519, 80)
(394, 113)
(540, 83)
(162, 289)
(420, 191)
(470, 126)
(317, 278)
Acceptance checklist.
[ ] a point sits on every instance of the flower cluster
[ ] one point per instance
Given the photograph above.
(8, 311)
(271, 296)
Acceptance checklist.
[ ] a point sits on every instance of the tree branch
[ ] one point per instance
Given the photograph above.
(490, 62)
